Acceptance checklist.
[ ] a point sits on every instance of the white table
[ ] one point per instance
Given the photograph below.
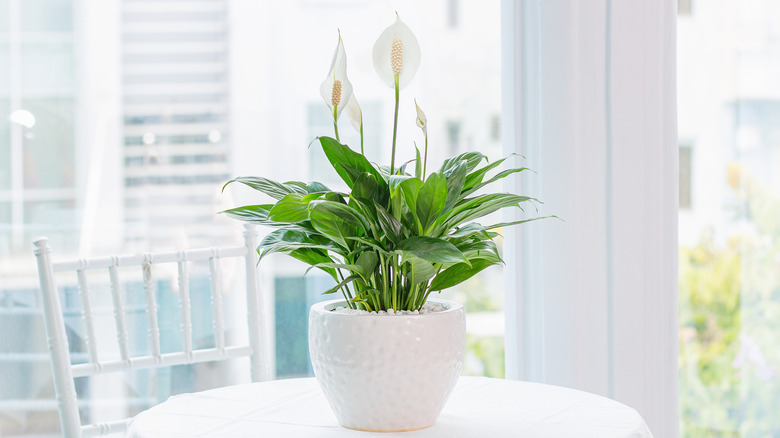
(479, 407)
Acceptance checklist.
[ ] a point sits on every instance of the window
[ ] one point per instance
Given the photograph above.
(729, 283)
(684, 7)
(185, 102)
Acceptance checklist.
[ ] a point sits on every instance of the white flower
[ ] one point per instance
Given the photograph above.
(336, 88)
(354, 113)
(422, 121)
(396, 52)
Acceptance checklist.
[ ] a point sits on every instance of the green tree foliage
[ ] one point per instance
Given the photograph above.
(730, 322)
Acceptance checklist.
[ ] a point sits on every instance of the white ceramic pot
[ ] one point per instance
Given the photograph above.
(387, 372)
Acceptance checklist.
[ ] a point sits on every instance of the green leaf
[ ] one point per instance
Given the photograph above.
(336, 221)
(291, 208)
(353, 268)
(431, 199)
(468, 230)
(497, 177)
(367, 189)
(507, 224)
(456, 177)
(367, 262)
(394, 181)
(409, 190)
(314, 187)
(271, 188)
(389, 224)
(402, 169)
(339, 154)
(335, 197)
(485, 249)
(474, 208)
(432, 249)
(418, 165)
(347, 280)
(297, 186)
(459, 273)
(472, 159)
(287, 241)
(373, 243)
(250, 213)
(311, 197)
(477, 176)
(420, 270)
(313, 257)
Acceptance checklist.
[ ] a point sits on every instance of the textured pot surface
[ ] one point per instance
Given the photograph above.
(387, 372)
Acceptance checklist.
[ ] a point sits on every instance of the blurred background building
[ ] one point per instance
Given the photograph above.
(121, 119)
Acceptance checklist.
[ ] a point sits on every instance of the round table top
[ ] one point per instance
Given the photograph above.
(479, 406)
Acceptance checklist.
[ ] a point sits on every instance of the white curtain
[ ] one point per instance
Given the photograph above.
(590, 102)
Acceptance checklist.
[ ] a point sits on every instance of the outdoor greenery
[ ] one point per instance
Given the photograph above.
(398, 233)
(730, 320)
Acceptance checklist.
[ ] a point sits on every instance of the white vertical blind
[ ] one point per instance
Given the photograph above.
(590, 101)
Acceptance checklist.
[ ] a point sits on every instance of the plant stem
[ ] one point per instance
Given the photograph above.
(384, 278)
(425, 160)
(361, 139)
(344, 291)
(395, 126)
(335, 124)
(396, 281)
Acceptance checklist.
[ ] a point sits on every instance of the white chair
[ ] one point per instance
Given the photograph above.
(64, 371)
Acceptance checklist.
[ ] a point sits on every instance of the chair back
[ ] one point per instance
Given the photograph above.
(64, 371)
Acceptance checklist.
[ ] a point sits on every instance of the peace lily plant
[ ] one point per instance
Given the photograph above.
(398, 234)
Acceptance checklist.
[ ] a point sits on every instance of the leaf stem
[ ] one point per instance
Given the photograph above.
(425, 160)
(350, 304)
(395, 126)
(335, 122)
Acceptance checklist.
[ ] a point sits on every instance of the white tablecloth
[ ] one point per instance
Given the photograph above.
(479, 407)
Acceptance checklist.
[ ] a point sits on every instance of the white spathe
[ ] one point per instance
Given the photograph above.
(354, 113)
(387, 372)
(410, 51)
(422, 121)
(338, 72)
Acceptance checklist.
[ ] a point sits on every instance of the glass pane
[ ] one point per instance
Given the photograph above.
(5, 145)
(47, 66)
(5, 72)
(5, 221)
(168, 143)
(47, 15)
(53, 219)
(4, 14)
(729, 127)
(49, 155)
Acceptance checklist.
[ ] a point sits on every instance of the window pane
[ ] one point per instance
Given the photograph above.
(5, 73)
(4, 14)
(52, 218)
(48, 146)
(47, 15)
(47, 66)
(5, 145)
(168, 142)
(729, 117)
